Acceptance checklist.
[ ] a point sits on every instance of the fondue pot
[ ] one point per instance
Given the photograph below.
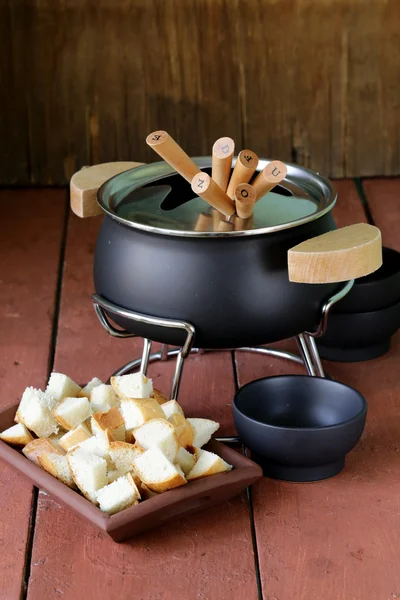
(163, 251)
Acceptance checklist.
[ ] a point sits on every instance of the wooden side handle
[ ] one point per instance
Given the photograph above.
(336, 256)
(85, 183)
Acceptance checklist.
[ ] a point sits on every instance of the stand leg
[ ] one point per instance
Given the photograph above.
(176, 382)
(302, 344)
(145, 356)
(315, 355)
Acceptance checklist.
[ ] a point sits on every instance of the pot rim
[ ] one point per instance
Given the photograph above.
(361, 414)
(296, 175)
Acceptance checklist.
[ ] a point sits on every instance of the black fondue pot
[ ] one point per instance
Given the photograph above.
(232, 286)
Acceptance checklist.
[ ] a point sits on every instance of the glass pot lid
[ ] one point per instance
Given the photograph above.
(157, 199)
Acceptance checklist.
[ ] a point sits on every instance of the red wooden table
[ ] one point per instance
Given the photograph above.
(337, 540)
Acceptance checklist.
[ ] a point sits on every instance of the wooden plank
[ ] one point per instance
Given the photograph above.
(204, 556)
(14, 166)
(301, 83)
(31, 227)
(383, 201)
(338, 538)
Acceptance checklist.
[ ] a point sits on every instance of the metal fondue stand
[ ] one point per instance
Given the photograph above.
(309, 355)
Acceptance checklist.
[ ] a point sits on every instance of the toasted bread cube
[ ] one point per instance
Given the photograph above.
(71, 412)
(118, 495)
(17, 435)
(203, 429)
(185, 460)
(88, 471)
(73, 438)
(157, 472)
(136, 385)
(137, 411)
(89, 387)
(159, 396)
(183, 429)
(172, 408)
(33, 412)
(60, 386)
(39, 446)
(123, 455)
(102, 398)
(57, 465)
(158, 433)
(207, 464)
(108, 426)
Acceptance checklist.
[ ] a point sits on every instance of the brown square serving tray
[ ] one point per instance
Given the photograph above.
(151, 513)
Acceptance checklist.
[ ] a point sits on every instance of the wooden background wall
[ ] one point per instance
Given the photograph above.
(310, 81)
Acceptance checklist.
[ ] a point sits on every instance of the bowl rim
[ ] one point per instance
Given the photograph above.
(356, 417)
(366, 313)
(364, 281)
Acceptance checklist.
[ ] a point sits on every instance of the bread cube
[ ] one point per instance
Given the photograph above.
(71, 412)
(108, 426)
(17, 435)
(102, 398)
(172, 408)
(185, 460)
(136, 385)
(39, 446)
(183, 429)
(88, 471)
(89, 387)
(118, 495)
(33, 412)
(73, 438)
(159, 396)
(123, 455)
(57, 465)
(203, 429)
(207, 464)
(157, 472)
(138, 411)
(61, 386)
(158, 433)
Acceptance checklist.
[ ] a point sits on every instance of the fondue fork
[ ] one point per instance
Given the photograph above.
(222, 155)
(245, 167)
(245, 197)
(206, 188)
(274, 173)
(166, 147)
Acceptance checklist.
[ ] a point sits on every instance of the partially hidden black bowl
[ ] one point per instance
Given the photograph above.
(359, 336)
(378, 290)
(299, 428)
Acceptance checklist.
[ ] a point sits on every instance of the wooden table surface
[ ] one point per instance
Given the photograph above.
(337, 540)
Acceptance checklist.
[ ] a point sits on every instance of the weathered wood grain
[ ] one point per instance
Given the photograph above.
(305, 81)
(338, 538)
(30, 239)
(204, 556)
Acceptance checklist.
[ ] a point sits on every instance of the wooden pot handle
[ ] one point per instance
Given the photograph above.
(336, 256)
(85, 183)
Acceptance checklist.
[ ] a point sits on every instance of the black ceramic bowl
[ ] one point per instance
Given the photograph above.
(378, 290)
(359, 336)
(299, 428)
